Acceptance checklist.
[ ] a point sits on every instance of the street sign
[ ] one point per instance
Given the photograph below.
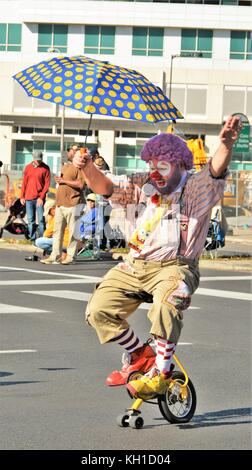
(242, 143)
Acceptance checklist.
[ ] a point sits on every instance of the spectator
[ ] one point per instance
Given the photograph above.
(35, 185)
(69, 202)
(88, 220)
(45, 243)
(71, 152)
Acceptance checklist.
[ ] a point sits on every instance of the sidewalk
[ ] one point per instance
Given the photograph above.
(236, 254)
(243, 235)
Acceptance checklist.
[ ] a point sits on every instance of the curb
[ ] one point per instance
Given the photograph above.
(16, 246)
(239, 240)
(227, 265)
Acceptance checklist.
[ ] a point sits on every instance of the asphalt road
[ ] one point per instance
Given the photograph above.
(53, 368)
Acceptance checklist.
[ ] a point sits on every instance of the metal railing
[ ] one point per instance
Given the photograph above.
(237, 201)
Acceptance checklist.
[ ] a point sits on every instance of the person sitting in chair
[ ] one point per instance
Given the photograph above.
(45, 243)
(88, 220)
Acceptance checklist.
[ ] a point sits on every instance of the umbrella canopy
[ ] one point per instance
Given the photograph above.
(97, 87)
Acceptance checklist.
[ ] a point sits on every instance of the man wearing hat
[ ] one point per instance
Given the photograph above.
(166, 244)
(36, 182)
(71, 152)
(69, 204)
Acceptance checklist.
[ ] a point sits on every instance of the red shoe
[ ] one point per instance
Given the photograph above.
(141, 360)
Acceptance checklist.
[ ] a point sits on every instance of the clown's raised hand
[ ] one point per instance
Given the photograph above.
(230, 131)
(228, 135)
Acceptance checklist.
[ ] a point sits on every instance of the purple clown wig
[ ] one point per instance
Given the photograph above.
(169, 148)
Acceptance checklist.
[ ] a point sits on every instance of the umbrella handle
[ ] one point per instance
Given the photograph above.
(89, 125)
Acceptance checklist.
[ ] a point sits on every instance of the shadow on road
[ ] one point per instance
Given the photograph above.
(5, 374)
(53, 369)
(20, 382)
(220, 418)
(215, 418)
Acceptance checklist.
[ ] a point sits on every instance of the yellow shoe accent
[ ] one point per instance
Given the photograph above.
(146, 387)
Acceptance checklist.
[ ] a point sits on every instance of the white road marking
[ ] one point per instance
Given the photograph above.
(52, 273)
(75, 295)
(226, 294)
(94, 279)
(61, 294)
(226, 278)
(17, 351)
(6, 308)
(21, 351)
(34, 282)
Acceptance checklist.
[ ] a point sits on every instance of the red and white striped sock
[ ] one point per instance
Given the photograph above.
(128, 340)
(165, 350)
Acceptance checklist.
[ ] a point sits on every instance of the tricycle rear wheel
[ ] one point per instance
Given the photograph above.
(173, 406)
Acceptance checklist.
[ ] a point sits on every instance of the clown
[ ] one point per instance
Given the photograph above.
(168, 157)
(163, 259)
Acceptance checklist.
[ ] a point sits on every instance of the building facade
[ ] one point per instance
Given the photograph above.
(199, 52)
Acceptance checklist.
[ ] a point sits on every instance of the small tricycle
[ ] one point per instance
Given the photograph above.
(177, 404)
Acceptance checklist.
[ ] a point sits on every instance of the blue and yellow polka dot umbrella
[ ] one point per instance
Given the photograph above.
(97, 87)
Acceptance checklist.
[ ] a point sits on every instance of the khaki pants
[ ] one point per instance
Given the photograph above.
(65, 216)
(108, 309)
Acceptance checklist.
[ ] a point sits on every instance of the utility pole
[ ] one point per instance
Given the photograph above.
(62, 121)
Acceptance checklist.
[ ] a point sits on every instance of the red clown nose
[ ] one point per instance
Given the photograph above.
(155, 175)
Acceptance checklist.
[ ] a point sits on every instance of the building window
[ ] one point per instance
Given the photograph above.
(52, 36)
(206, 2)
(244, 3)
(196, 40)
(137, 135)
(178, 96)
(249, 102)
(241, 45)
(191, 100)
(128, 160)
(196, 100)
(237, 99)
(148, 41)
(99, 40)
(10, 37)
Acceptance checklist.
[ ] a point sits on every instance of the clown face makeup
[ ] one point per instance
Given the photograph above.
(165, 176)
